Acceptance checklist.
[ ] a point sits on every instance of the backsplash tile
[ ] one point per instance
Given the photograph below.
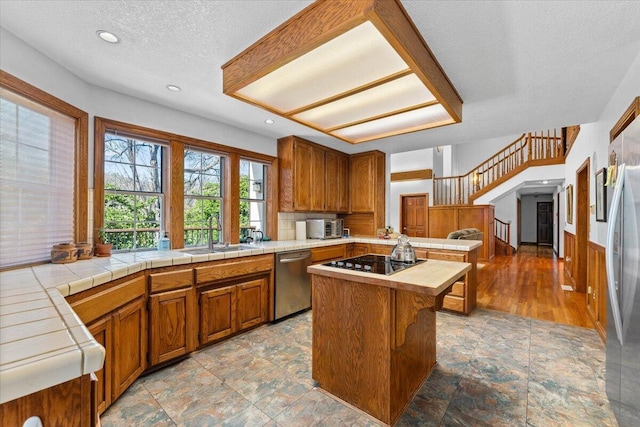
(287, 222)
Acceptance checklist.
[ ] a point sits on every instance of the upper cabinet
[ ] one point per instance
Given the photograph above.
(312, 178)
(367, 181)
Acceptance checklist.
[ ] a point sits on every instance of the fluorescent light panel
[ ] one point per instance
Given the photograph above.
(357, 86)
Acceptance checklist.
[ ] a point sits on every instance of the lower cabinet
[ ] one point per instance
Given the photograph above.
(233, 308)
(217, 314)
(171, 324)
(252, 303)
(117, 318)
(129, 345)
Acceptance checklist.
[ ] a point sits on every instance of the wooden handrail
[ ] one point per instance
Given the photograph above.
(503, 230)
(529, 149)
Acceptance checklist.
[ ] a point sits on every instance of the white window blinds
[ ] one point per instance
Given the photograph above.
(37, 153)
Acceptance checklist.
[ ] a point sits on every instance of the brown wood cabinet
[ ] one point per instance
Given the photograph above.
(117, 316)
(252, 308)
(366, 193)
(445, 219)
(328, 253)
(233, 295)
(312, 178)
(102, 332)
(66, 404)
(172, 315)
(463, 296)
(337, 182)
(217, 314)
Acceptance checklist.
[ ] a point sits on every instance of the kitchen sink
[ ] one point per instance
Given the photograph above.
(220, 248)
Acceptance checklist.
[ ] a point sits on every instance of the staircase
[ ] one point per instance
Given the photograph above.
(502, 230)
(530, 149)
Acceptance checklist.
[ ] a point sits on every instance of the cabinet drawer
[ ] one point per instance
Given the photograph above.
(454, 303)
(457, 289)
(327, 253)
(101, 303)
(233, 267)
(447, 256)
(169, 280)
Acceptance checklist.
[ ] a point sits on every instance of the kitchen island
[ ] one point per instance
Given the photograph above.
(374, 336)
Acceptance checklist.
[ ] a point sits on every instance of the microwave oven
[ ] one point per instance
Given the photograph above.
(324, 228)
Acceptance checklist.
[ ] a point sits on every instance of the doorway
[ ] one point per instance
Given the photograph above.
(544, 223)
(414, 214)
(582, 226)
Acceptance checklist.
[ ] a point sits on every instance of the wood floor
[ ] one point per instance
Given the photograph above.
(529, 284)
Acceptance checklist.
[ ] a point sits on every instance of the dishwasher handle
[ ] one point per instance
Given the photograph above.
(294, 259)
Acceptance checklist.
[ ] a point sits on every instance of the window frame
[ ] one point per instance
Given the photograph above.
(174, 206)
(162, 193)
(265, 183)
(220, 198)
(81, 151)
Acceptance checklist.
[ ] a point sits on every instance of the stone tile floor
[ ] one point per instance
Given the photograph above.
(494, 369)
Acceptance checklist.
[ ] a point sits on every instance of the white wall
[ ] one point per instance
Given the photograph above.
(593, 142)
(466, 155)
(506, 209)
(529, 216)
(28, 64)
(403, 162)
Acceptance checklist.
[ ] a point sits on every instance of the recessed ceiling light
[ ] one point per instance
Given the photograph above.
(107, 36)
(174, 88)
(269, 121)
(545, 182)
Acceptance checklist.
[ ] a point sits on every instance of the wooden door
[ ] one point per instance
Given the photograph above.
(129, 345)
(414, 211)
(363, 182)
(582, 226)
(317, 181)
(170, 325)
(101, 330)
(217, 313)
(303, 154)
(252, 303)
(545, 223)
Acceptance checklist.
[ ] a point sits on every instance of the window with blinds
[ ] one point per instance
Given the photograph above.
(37, 152)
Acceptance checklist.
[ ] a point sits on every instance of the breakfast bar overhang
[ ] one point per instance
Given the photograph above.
(374, 336)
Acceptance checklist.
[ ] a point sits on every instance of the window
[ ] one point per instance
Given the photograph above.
(203, 220)
(252, 197)
(133, 191)
(41, 143)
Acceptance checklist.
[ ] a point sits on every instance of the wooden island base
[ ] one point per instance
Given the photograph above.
(373, 346)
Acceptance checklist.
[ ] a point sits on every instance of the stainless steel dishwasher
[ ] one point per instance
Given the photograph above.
(293, 286)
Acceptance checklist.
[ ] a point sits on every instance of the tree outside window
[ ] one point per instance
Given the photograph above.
(133, 191)
(252, 197)
(203, 203)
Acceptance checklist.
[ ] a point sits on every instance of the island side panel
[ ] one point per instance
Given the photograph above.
(413, 353)
(351, 342)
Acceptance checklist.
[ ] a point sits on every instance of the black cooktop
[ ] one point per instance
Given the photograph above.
(378, 264)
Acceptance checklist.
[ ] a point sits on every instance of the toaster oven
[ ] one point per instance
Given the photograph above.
(324, 228)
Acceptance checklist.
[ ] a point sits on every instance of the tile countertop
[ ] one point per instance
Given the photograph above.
(42, 341)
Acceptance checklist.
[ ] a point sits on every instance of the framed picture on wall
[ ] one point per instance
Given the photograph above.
(569, 203)
(601, 195)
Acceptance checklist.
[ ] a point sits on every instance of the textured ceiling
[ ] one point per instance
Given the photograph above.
(518, 65)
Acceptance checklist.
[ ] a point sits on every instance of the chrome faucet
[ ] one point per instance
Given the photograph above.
(210, 236)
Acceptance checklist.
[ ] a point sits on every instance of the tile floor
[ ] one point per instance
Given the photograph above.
(494, 369)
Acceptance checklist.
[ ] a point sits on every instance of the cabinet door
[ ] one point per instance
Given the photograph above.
(303, 154)
(101, 330)
(252, 303)
(318, 193)
(217, 314)
(337, 182)
(129, 345)
(363, 174)
(170, 326)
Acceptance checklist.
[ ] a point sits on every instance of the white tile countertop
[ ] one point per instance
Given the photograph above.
(42, 341)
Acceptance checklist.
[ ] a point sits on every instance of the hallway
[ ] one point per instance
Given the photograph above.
(529, 284)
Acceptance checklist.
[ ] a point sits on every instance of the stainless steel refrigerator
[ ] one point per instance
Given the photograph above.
(623, 276)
